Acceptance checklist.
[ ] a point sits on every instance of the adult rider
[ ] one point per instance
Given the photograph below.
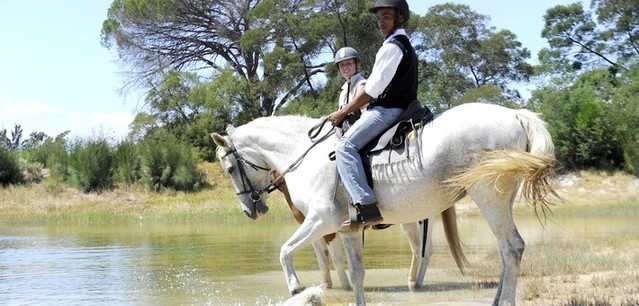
(390, 88)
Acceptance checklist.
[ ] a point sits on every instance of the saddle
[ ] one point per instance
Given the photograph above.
(396, 140)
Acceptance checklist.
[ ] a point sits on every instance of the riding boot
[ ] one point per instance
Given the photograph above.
(367, 215)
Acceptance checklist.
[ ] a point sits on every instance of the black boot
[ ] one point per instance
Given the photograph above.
(367, 215)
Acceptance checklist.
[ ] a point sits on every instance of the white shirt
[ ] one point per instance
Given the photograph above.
(387, 60)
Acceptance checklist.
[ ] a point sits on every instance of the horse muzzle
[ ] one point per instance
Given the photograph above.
(255, 209)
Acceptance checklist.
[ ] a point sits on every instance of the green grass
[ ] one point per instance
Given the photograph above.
(55, 202)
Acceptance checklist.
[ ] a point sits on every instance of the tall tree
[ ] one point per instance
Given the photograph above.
(155, 37)
(4, 140)
(582, 40)
(275, 47)
(462, 52)
(574, 40)
(620, 19)
(15, 143)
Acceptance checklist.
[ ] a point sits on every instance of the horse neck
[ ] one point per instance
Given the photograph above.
(275, 140)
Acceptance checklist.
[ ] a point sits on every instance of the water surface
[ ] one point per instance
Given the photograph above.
(152, 262)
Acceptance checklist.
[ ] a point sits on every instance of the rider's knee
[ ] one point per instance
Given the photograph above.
(345, 147)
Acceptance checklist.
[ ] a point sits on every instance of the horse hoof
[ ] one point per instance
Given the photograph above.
(298, 290)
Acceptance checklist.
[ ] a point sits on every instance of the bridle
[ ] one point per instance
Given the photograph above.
(256, 193)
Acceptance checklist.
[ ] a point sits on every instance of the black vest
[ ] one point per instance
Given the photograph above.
(403, 87)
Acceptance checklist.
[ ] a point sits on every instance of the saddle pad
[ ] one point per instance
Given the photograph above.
(391, 155)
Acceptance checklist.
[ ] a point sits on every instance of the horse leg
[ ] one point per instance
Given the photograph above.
(311, 230)
(355, 251)
(414, 232)
(321, 252)
(497, 209)
(322, 246)
(336, 250)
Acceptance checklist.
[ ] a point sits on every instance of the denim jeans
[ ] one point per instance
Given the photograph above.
(349, 164)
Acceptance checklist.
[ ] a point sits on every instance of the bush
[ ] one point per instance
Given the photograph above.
(584, 123)
(32, 172)
(56, 158)
(127, 163)
(631, 158)
(91, 165)
(9, 168)
(168, 163)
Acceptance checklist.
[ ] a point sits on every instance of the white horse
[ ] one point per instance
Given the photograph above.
(481, 150)
(418, 234)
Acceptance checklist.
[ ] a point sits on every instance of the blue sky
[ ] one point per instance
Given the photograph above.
(56, 76)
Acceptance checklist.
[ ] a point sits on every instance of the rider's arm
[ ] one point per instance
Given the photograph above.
(386, 62)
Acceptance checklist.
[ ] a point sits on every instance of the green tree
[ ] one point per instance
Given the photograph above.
(13, 143)
(620, 20)
(626, 114)
(579, 41)
(35, 140)
(277, 48)
(250, 37)
(584, 122)
(461, 52)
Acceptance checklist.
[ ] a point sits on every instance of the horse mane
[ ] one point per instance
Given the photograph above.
(286, 122)
(289, 125)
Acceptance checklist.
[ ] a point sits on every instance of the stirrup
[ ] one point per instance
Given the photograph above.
(353, 213)
(352, 224)
(356, 221)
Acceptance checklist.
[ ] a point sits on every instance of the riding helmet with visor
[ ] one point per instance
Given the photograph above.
(400, 5)
(346, 53)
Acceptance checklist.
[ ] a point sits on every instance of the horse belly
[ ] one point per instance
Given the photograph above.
(412, 201)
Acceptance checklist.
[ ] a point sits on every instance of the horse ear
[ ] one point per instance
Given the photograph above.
(219, 140)
(230, 129)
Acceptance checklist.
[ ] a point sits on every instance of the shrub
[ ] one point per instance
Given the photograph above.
(127, 163)
(91, 165)
(32, 172)
(56, 158)
(631, 157)
(9, 168)
(168, 163)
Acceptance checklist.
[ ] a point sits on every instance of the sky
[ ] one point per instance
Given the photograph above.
(56, 76)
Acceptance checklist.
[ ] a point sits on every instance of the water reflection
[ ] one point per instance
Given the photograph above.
(216, 262)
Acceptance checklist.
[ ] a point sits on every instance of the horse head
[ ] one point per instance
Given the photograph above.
(250, 178)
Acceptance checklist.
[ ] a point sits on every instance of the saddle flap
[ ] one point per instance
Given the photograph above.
(415, 112)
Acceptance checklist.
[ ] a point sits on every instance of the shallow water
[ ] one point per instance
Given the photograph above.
(236, 263)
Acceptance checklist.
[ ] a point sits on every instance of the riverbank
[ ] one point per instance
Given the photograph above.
(567, 269)
(58, 202)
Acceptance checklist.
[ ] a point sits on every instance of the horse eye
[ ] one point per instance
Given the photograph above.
(230, 170)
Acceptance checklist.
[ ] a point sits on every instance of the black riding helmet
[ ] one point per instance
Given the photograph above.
(400, 5)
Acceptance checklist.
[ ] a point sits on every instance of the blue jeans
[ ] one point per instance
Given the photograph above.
(372, 123)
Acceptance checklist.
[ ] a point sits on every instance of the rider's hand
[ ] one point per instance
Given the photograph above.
(336, 117)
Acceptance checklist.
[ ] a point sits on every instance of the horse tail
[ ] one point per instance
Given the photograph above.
(539, 139)
(533, 168)
(537, 180)
(449, 220)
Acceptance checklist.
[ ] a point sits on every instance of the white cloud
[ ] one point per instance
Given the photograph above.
(19, 111)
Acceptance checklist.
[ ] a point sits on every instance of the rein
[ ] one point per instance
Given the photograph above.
(256, 194)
